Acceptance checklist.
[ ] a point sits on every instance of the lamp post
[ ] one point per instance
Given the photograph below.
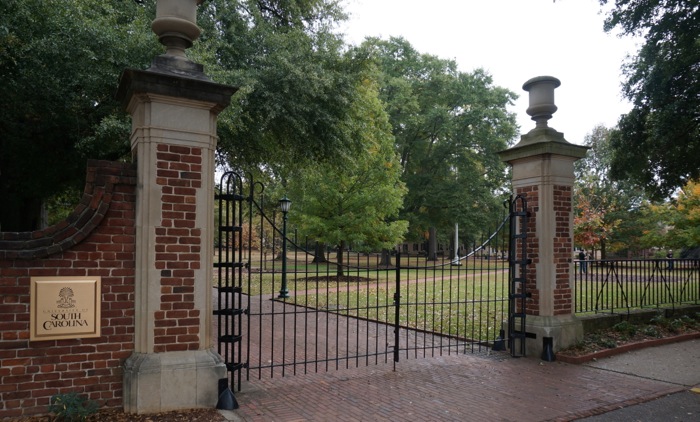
(285, 203)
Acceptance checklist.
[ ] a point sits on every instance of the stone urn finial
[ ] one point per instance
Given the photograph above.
(176, 25)
(541, 89)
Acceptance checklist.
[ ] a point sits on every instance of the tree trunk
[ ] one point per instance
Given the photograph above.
(432, 244)
(385, 260)
(319, 253)
(341, 255)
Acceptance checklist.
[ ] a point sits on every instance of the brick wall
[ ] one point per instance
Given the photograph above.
(563, 245)
(178, 248)
(96, 240)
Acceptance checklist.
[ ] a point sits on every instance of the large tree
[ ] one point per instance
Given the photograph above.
(601, 204)
(448, 126)
(59, 64)
(295, 82)
(685, 218)
(357, 202)
(657, 143)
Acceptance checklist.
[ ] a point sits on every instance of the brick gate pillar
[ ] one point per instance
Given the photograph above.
(174, 109)
(543, 171)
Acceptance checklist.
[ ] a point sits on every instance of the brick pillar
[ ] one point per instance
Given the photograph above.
(543, 171)
(173, 140)
(174, 109)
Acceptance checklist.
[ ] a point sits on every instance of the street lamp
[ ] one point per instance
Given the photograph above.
(285, 203)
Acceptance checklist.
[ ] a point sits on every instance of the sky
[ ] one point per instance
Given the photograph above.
(514, 41)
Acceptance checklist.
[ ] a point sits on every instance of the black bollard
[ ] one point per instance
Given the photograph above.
(548, 349)
(500, 344)
(226, 399)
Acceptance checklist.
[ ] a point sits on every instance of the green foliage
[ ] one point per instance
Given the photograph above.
(62, 204)
(296, 86)
(658, 319)
(608, 343)
(658, 142)
(600, 340)
(651, 331)
(674, 325)
(448, 126)
(625, 331)
(72, 407)
(684, 213)
(605, 210)
(357, 202)
(625, 327)
(60, 63)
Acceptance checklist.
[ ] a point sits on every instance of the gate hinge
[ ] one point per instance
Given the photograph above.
(397, 298)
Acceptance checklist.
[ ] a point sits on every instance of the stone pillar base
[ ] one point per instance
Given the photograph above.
(161, 382)
(565, 330)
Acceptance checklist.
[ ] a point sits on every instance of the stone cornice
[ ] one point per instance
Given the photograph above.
(541, 141)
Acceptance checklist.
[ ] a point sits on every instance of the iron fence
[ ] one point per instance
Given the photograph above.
(371, 308)
(286, 306)
(617, 286)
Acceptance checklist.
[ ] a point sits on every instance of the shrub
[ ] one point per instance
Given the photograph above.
(626, 327)
(659, 320)
(652, 331)
(676, 325)
(71, 407)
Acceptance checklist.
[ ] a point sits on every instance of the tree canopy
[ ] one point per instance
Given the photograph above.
(305, 98)
(295, 84)
(602, 206)
(448, 127)
(657, 143)
(60, 63)
(686, 217)
(356, 203)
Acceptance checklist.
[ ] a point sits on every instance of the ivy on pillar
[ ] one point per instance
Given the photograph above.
(543, 171)
(174, 108)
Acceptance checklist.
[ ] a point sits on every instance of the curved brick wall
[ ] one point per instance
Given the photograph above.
(96, 240)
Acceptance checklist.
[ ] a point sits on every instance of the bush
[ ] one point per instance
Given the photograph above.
(626, 327)
(72, 407)
(652, 331)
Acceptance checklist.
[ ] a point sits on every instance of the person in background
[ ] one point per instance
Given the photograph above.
(669, 256)
(582, 261)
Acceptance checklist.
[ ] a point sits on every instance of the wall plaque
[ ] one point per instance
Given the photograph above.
(64, 308)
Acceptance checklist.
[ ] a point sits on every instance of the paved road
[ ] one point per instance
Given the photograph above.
(647, 385)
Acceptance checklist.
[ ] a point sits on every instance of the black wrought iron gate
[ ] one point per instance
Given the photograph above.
(316, 308)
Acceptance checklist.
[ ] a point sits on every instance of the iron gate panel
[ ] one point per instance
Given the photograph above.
(354, 309)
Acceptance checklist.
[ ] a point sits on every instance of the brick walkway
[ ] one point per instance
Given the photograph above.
(465, 387)
(447, 388)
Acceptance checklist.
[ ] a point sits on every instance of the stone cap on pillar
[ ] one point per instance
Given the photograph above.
(542, 139)
(133, 81)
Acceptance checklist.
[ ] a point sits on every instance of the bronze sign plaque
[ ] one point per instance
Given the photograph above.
(64, 308)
